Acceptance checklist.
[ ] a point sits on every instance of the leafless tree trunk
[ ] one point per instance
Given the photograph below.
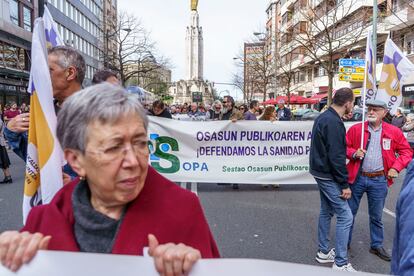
(136, 55)
(257, 70)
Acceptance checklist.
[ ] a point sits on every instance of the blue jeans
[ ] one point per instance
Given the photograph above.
(377, 190)
(332, 204)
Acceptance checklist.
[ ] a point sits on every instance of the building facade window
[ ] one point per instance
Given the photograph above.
(13, 57)
(14, 12)
(27, 19)
(322, 71)
(410, 47)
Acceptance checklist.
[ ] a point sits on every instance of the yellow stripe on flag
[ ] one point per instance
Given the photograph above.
(41, 138)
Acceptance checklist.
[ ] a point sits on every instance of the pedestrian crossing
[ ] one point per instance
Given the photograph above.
(191, 186)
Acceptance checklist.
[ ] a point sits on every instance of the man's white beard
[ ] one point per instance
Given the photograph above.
(372, 119)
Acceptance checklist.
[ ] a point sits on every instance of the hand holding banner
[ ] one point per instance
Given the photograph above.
(51, 263)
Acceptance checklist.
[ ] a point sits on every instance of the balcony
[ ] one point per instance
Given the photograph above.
(342, 11)
(400, 19)
(298, 17)
(287, 6)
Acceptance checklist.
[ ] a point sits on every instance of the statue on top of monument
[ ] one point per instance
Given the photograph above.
(194, 4)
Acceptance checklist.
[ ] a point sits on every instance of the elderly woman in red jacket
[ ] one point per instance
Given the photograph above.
(119, 205)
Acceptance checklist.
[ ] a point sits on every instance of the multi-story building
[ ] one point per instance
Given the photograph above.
(110, 18)
(80, 24)
(257, 70)
(316, 34)
(150, 76)
(401, 24)
(16, 24)
(272, 43)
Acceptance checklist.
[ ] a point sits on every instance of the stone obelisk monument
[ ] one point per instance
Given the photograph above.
(194, 46)
(194, 84)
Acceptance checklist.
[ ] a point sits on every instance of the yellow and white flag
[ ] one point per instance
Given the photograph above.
(370, 81)
(44, 153)
(52, 34)
(396, 69)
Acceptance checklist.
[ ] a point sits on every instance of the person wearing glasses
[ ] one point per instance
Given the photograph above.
(230, 111)
(243, 108)
(119, 204)
(373, 168)
(216, 111)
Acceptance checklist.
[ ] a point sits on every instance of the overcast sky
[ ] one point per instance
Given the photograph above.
(226, 24)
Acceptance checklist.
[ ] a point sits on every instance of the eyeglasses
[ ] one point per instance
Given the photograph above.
(118, 152)
(241, 108)
(224, 102)
(375, 109)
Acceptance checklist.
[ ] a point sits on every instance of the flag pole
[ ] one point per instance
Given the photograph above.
(372, 37)
(364, 90)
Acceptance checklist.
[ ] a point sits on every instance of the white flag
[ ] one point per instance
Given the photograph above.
(44, 153)
(53, 37)
(395, 70)
(370, 81)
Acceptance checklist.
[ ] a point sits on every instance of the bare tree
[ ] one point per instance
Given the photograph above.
(238, 81)
(136, 56)
(257, 71)
(330, 29)
(285, 73)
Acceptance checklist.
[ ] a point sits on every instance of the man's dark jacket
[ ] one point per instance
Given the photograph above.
(328, 148)
(287, 115)
(165, 114)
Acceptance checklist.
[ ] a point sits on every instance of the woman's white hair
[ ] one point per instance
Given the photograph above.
(104, 102)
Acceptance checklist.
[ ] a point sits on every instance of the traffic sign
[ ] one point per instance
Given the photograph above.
(197, 97)
(351, 77)
(352, 62)
(351, 70)
(359, 70)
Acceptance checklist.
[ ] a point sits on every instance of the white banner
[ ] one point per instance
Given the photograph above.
(251, 152)
(51, 263)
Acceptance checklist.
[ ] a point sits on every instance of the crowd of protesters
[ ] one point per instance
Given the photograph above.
(11, 110)
(8, 112)
(98, 215)
(220, 110)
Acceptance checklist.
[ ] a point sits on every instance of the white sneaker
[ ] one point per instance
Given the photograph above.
(325, 258)
(348, 267)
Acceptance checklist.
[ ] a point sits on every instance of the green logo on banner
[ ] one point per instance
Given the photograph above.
(160, 148)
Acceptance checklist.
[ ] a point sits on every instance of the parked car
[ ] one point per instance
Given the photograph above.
(405, 111)
(297, 115)
(311, 115)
